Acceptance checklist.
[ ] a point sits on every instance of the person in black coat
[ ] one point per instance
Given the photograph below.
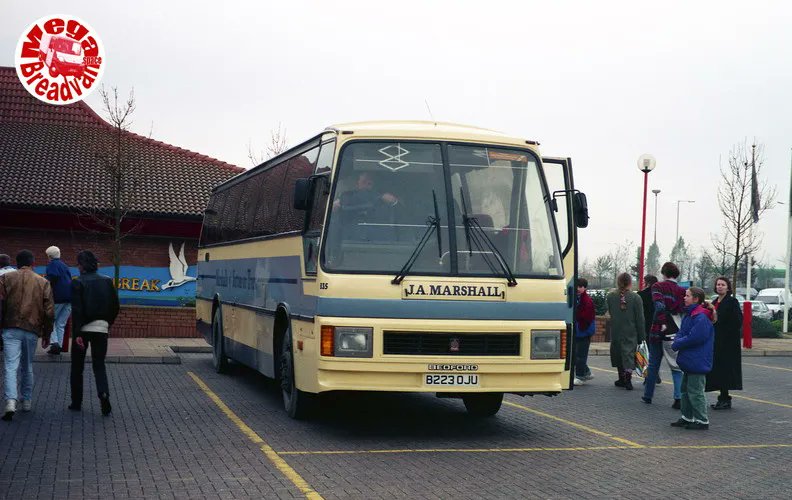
(648, 306)
(726, 371)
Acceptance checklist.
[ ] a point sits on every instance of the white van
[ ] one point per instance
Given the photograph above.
(775, 300)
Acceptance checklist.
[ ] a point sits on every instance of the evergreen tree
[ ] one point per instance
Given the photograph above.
(653, 260)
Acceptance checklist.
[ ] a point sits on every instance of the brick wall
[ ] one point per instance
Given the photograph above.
(151, 251)
(602, 333)
(145, 321)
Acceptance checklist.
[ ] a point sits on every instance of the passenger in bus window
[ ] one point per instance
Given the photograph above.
(364, 196)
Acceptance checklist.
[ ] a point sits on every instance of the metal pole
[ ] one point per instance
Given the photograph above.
(787, 296)
(677, 233)
(656, 192)
(643, 233)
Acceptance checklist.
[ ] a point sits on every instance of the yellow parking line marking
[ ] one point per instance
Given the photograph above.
(537, 449)
(761, 401)
(632, 444)
(271, 454)
(771, 367)
(453, 450)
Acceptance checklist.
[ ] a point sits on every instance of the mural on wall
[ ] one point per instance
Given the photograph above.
(152, 286)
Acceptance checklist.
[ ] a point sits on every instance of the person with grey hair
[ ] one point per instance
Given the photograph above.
(60, 278)
(5, 264)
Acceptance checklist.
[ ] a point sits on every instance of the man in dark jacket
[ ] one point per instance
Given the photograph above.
(95, 307)
(60, 278)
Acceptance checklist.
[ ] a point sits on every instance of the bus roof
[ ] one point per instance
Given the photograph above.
(416, 129)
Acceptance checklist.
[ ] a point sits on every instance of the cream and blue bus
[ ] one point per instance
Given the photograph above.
(396, 256)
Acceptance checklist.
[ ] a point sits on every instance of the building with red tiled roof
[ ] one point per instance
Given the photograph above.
(53, 185)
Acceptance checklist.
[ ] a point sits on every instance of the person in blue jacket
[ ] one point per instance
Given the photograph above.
(694, 342)
(60, 279)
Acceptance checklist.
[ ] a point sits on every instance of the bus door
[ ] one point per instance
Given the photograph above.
(558, 173)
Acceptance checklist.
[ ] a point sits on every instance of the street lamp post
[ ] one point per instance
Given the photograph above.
(656, 192)
(646, 163)
(677, 227)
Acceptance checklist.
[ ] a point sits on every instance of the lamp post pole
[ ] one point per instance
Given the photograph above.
(646, 163)
(656, 192)
(677, 225)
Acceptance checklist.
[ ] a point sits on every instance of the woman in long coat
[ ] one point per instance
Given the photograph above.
(726, 371)
(626, 327)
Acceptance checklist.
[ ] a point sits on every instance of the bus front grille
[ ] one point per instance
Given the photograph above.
(451, 344)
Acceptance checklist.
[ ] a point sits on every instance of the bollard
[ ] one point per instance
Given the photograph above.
(747, 332)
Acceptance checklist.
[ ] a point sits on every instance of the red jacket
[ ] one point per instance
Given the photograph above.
(585, 315)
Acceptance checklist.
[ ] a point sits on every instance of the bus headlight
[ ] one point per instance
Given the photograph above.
(353, 342)
(545, 344)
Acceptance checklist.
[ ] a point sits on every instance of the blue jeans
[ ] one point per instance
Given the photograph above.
(655, 359)
(581, 356)
(19, 344)
(62, 313)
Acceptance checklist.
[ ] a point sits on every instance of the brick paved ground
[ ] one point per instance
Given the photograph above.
(167, 439)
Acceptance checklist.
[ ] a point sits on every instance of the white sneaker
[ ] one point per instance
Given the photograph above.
(27, 405)
(578, 381)
(10, 407)
(589, 376)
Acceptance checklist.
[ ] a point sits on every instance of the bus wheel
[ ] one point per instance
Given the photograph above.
(295, 402)
(219, 359)
(484, 404)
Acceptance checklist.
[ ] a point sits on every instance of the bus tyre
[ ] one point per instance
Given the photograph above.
(219, 359)
(296, 402)
(484, 404)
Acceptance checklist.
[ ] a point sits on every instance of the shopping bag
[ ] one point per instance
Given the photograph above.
(641, 360)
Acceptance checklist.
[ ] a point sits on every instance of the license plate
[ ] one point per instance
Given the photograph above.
(451, 379)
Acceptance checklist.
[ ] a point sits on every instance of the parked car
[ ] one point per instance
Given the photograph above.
(759, 310)
(775, 300)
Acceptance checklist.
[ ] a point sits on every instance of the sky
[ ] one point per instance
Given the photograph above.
(600, 82)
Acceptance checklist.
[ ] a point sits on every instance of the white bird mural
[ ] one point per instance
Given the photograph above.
(178, 269)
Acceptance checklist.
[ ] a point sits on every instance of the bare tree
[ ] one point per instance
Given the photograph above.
(114, 193)
(734, 200)
(603, 269)
(622, 256)
(277, 144)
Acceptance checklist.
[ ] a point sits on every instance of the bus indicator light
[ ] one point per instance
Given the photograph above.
(328, 337)
(563, 345)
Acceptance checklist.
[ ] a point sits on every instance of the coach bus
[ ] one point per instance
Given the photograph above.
(396, 256)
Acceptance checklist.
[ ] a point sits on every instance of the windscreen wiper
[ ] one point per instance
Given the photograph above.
(432, 225)
(475, 233)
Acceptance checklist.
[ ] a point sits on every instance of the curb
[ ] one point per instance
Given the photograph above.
(191, 349)
(140, 360)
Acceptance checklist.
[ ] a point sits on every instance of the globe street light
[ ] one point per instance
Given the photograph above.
(656, 192)
(678, 202)
(646, 163)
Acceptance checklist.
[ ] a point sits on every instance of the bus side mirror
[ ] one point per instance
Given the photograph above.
(580, 210)
(302, 194)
